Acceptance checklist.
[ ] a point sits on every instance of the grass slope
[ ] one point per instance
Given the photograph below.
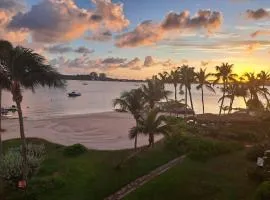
(91, 175)
(220, 178)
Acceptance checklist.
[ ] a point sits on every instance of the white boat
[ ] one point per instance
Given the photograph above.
(74, 94)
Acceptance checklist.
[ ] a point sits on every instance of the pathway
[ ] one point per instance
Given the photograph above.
(124, 191)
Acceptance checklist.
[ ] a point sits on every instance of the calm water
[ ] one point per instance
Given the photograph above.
(96, 97)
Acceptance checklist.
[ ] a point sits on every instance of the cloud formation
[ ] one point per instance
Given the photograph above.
(62, 48)
(258, 14)
(148, 61)
(62, 20)
(148, 32)
(9, 8)
(260, 32)
(100, 36)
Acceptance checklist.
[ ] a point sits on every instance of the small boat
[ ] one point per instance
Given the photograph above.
(85, 83)
(13, 108)
(74, 94)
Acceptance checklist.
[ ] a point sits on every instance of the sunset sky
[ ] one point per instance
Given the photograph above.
(137, 38)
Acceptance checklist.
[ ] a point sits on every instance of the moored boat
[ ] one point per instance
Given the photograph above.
(74, 94)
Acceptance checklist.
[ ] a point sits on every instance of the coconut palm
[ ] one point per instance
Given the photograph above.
(163, 77)
(202, 79)
(26, 69)
(154, 91)
(132, 102)
(187, 77)
(264, 78)
(225, 74)
(174, 78)
(5, 83)
(151, 124)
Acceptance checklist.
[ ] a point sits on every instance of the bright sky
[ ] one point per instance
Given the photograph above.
(138, 38)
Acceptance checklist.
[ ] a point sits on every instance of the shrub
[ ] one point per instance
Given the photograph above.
(256, 174)
(263, 191)
(75, 150)
(255, 152)
(199, 148)
(11, 163)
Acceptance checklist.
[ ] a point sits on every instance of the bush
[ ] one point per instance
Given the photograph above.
(256, 174)
(75, 150)
(11, 163)
(255, 152)
(263, 191)
(199, 148)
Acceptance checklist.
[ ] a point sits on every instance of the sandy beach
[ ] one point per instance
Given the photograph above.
(103, 131)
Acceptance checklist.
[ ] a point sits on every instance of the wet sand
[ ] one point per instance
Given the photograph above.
(103, 131)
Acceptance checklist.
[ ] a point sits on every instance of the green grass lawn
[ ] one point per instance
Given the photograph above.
(89, 176)
(93, 175)
(221, 178)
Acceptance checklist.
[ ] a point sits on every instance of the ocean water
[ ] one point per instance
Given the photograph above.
(96, 97)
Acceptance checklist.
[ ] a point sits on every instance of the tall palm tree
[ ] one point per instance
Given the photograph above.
(174, 78)
(5, 83)
(225, 74)
(264, 78)
(26, 69)
(202, 79)
(154, 91)
(187, 77)
(163, 77)
(151, 124)
(132, 102)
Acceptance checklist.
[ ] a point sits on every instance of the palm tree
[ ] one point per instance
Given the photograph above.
(151, 124)
(264, 77)
(27, 69)
(202, 78)
(132, 102)
(154, 91)
(4, 83)
(225, 74)
(187, 77)
(174, 78)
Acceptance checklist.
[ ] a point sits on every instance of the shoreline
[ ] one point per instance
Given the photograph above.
(100, 131)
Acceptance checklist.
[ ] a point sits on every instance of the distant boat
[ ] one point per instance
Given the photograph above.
(85, 83)
(74, 94)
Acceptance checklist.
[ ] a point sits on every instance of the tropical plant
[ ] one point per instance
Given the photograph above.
(151, 124)
(225, 74)
(187, 77)
(25, 69)
(154, 91)
(132, 102)
(264, 78)
(174, 78)
(202, 79)
(11, 167)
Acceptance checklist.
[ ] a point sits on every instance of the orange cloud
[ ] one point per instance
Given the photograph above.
(148, 33)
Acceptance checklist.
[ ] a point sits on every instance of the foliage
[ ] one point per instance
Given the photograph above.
(11, 163)
(256, 151)
(199, 148)
(263, 191)
(74, 150)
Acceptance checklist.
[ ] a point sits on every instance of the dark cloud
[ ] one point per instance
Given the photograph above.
(148, 61)
(100, 36)
(62, 48)
(12, 5)
(59, 21)
(84, 50)
(148, 33)
(112, 60)
(260, 32)
(258, 14)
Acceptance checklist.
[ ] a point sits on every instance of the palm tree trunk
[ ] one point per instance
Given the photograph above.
(136, 137)
(151, 139)
(185, 101)
(202, 100)
(1, 148)
(23, 140)
(222, 101)
(190, 98)
(231, 104)
(175, 95)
